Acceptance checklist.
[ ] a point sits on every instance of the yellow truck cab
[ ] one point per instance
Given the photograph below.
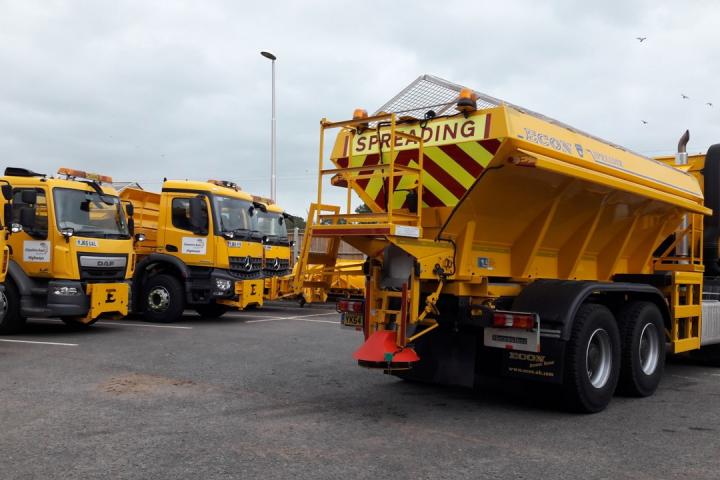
(74, 257)
(199, 250)
(271, 223)
(6, 324)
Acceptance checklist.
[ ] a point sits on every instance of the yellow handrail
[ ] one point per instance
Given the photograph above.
(388, 171)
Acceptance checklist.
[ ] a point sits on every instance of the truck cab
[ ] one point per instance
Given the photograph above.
(8, 227)
(276, 252)
(74, 256)
(199, 250)
(271, 223)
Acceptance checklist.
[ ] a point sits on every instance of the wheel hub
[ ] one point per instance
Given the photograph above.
(598, 358)
(158, 299)
(3, 305)
(649, 349)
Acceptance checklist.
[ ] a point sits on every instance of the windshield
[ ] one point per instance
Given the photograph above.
(233, 214)
(89, 214)
(271, 224)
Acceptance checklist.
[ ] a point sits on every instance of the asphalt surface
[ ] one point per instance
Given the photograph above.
(274, 393)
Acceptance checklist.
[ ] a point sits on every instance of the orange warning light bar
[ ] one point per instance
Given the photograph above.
(72, 173)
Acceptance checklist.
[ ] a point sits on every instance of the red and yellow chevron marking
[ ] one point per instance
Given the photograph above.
(449, 168)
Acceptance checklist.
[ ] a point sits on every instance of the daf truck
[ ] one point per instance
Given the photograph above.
(73, 257)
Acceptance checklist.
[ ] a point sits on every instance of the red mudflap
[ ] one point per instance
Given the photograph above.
(381, 348)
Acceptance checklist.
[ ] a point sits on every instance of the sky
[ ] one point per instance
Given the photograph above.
(145, 90)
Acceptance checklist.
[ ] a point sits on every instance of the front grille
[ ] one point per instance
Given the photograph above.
(277, 266)
(99, 268)
(245, 267)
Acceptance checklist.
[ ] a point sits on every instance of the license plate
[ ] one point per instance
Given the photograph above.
(352, 320)
(512, 339)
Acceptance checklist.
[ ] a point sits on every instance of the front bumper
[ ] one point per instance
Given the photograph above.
(241, 294)
(68, 298)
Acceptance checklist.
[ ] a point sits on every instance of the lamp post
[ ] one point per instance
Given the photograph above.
(273, 178)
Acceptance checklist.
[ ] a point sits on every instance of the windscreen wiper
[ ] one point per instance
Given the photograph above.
(103, 196)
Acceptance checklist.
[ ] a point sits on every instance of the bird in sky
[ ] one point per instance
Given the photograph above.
(709, 104)
(685, 97)
(644, 122)
(641, 39)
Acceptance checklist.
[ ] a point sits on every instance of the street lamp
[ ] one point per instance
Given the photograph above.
(273, 178)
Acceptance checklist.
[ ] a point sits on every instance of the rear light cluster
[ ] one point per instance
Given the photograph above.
(526, 321)
(345, 306)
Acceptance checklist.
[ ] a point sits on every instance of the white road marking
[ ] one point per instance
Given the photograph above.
(300, 318)
(315, 321)
(126, 324)
(296, 317)
(39, 343)
(269, 319)
(122, 323)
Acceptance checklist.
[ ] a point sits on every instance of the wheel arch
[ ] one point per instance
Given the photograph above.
(18, 276)
(153, 264)
(557, 301)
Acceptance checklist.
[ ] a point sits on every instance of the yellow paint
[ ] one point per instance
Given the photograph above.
(107, 298)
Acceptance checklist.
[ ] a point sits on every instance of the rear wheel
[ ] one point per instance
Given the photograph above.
(11, 320)
(592, 359)
(164, 299)
(212, 310)
(643, 348)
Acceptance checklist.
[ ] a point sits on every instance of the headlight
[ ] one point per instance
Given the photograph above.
(66, 291)
(222, 284)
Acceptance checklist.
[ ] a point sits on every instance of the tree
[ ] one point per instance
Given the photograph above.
(362, 208)
(293, 221)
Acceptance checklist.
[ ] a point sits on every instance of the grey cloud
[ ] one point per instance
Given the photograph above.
(143, 90)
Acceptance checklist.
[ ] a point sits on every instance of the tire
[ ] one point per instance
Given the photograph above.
(11, 320)
(164, 299)
(212, 310)
(592, 361)
(642, 334)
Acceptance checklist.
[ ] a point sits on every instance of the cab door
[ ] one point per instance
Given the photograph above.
(32, 248)
(188, 229)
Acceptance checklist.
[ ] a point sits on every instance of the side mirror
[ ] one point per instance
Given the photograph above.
(28, 197)
(251, 211)
(131, 225)
(197, 219)
(27, 217)
(7, 214)
(7, 191)
(129, 209)
(67, 233)
(281, 220)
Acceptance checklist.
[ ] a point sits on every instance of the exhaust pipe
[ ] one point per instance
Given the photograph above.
(681, 158)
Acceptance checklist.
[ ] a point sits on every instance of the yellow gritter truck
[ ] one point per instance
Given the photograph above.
(270, 222)
(504, 243)
(74, 257)
(199, 249)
